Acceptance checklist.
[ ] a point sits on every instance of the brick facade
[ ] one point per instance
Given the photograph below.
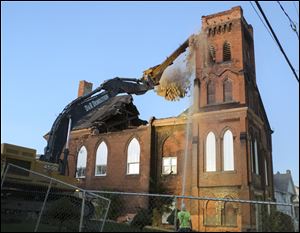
(240, 110)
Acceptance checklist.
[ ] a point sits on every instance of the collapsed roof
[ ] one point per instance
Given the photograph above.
(116, 114)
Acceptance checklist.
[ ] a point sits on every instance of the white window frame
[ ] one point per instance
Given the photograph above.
(101, 156)
(210, 153)
(228, 151)
(170, 165)
(81, 162)
(133, 157)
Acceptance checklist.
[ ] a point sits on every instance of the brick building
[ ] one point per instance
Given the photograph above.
(229, 151)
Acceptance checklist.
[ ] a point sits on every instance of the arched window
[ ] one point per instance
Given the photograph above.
(101, 160)
(228, 159)
(133, 157)
(211, 152)
(81, 162)
(227, 90)
(212, 54)
(256, 158)
(226, 51)
(210, 93)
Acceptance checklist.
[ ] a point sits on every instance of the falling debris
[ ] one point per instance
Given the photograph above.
(173, 84)
(175, 81)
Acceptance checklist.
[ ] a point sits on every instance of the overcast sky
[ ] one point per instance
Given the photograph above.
(48, 47)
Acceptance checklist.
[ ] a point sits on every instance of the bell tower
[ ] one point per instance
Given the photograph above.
(231, 153)
(225, 63)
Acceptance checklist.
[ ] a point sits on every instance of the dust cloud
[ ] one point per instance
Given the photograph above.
(175, 81)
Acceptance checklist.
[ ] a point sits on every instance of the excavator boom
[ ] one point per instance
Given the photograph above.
(80, 107)
(154, 73)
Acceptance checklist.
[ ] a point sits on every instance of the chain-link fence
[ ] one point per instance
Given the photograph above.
(139, 212)
(34, 202)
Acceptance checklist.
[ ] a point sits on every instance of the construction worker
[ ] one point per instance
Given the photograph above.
(184, 217)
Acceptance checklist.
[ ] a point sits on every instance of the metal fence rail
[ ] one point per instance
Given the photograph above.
(34, 202)
(31, 201)
(149, 212)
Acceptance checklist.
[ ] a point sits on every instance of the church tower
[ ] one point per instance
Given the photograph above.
(231, 134)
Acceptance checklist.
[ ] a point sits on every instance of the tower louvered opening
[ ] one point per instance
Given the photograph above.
(226, 52)
(212, 54)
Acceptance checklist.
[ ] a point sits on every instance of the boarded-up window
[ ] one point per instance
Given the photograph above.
(227, 90)
(211, 217)
(230, 214)
(101, 160)
(133, 157)
(226, 52)
(228, 159)
(210, 93)
(211, 152)
(81, 162)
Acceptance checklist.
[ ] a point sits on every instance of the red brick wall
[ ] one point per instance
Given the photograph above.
(84, 88)
(117, 143)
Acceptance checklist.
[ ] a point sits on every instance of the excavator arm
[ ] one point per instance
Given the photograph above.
(59, 134)
(154, 73)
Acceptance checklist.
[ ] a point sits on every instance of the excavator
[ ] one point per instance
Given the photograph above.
(60, 132)
(19, 190)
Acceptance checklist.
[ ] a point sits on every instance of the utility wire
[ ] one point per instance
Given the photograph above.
(263, 22)
(292, 24)
(277, 41)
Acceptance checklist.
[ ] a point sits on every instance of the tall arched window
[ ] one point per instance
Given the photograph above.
(81, 162)
(211, 152)
(226, 51)
(227, 90)
(210, 93)
(228, 158)
(133, 157)
(101, 160)
(256, 157)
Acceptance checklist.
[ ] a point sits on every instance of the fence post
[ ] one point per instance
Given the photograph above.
(4, 175)
(82, 211)
(105, 216)
(43, 207)
(175, 214)
(256, 217)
